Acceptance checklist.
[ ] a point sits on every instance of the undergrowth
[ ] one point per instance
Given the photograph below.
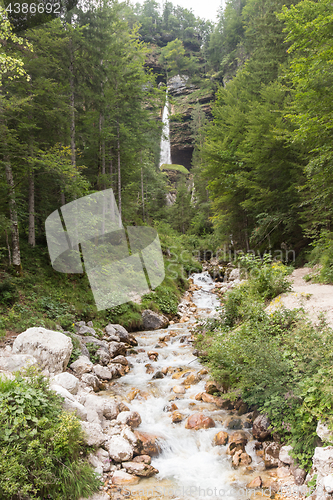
(42, 453)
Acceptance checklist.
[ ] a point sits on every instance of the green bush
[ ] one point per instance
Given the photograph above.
(8, 293)
(322, 254)
(42, 450)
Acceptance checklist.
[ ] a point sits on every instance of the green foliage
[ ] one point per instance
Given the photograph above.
(41, 445)
(322, 253)
(164, 298)
(93, 348)
(8, 293)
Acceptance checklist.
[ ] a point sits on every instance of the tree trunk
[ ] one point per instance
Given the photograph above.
(8, 248)
(13, 218)
(72, 102)
(31, 234)
(119, 174)
(142, 196)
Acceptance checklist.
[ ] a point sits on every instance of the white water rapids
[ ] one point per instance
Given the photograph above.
(189, 465)
(165, 154)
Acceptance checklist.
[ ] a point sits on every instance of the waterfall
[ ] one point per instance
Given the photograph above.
(165, 155)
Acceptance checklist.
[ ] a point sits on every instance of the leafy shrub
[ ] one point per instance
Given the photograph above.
(41, 445)
(8, 293)
(93, 348)
(322, 254)
(164, 298)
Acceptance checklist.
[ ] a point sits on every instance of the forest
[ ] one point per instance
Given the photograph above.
(251, 117)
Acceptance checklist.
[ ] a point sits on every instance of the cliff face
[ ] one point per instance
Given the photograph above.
(184, 97)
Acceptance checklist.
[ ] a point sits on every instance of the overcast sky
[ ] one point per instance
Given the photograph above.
(202, 8)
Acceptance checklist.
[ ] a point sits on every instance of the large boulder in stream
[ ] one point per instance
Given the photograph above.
(199, 421)
(153, 321)
(261, 427)
(51, 349)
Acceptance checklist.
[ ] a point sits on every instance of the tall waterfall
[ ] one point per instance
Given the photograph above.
(165, 156)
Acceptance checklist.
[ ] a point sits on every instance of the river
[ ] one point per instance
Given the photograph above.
(189, 466)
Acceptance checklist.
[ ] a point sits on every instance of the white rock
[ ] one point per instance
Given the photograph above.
(284, 455)
(82, 365)
(70, 403)
(97, 496)
(67, 381)
(120, 477)
(327, 483)
(16, 362)
(120, 450)
(51, 349)
(323, 432)
(91, 380)
(103, 406)
(4, 374)
(129, 435)
(104, 458)
(110, 330)
(102, 372)
(234, 275)
(93, 434)
(323, 461)
(96, 463)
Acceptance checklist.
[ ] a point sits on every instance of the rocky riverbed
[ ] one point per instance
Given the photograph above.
(160, 427)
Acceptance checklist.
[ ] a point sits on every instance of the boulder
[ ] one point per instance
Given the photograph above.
(237, 442)
(120, 478)
(177, 417)
(299, 475)
(111, 331)
(101, 406)
(103, 356)
(152, 355)
(255, 483)
(67, 381)
(327, 483)
(191, 379)
(96, 463)
(140, 469)
(119, 449)
(241, 458)
(120, 359)
(323, 432)
(70, 403)
(82, 365)
(220, 439)
(117, 349)
(131, 418)
(142, 458)
(124, 336)
(91, 380)
(179, 389)
(199, 421)
(323, 461)
(282, 472)
(153, 321)
(102, 372)
(271, 454)
(261, 427)
(103, 456)
(51, 349)
(147, 444)
(86, 330)
(233, 423)
(284, 455)
(207, 398)
(17, 362)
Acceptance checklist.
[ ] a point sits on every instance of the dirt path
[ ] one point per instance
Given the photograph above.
(316, 299)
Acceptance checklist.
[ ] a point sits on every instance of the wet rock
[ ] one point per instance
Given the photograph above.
(102, 372)
(165, 370)
(177, 417)
(140, 469)
(153, 321)
(283, 472)
(131, 418)
(82, 365)
(121, 360)
(142, 458)
(51, 349)
(255, 483)
(233, 423)
(117, 349)
(179, 389)
(237, 442)
(211, 387)
(191, 379)
(164, 338)
(171, 407)
(224, 404)
(93, 434)
(121, 478)
(220, 439)
(158, 374)
(152, 355)
(199, 421)
(261, 427)
(147, 444)
(207, 398)
(203, 372)
(242, 409)
(271, 454)
(149, 369)
(122, 407)
(198, 397)
(285, 455)
(119, 448)
(67, 381)
(241, 458)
